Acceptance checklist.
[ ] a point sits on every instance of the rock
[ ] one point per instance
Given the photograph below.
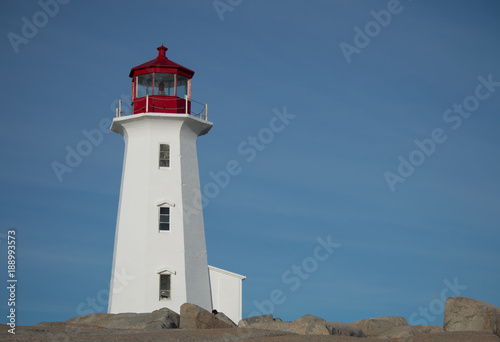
(159, 319)
(306, 325)
(224, 318)
(467, 314)
(300, 328)
(375, 326)
(344, 329)
(310, 318)
(411, 330)
(311, 325)
(255, 319)
(195, 317)
(311, 328)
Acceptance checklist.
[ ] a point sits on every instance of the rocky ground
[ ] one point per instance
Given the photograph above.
(58, 334)
(465, 320)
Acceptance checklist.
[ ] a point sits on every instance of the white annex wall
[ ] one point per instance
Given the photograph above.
(226, 290)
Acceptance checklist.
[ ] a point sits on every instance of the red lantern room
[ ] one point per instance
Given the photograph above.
(161, 86)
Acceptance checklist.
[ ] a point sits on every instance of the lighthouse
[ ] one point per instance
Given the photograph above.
(160, 256)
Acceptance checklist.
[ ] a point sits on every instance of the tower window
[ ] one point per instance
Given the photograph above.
(164, 286)
(164, 218)
(164, 155)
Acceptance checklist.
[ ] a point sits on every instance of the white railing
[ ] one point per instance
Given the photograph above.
(202, 114)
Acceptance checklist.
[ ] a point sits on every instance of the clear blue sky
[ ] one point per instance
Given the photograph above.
(359, 104)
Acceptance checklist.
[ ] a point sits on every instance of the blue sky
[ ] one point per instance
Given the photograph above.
(400, 249)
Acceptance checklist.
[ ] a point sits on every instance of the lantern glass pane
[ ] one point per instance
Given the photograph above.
(164, 84)
(144, 85)
(182, 86)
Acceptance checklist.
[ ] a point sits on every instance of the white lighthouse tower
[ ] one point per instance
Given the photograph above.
(160, 257)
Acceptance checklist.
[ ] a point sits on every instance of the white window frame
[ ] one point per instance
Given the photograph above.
(160, 216)
(159, 154)
(160, 297)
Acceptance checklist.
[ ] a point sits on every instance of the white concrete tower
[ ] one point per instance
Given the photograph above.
(160, 257)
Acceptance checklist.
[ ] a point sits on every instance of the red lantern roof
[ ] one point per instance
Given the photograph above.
(162, 64)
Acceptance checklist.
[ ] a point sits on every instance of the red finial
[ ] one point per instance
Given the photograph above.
(161, 51)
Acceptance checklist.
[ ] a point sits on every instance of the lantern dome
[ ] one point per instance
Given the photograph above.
(161, 86)
(161, 64)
